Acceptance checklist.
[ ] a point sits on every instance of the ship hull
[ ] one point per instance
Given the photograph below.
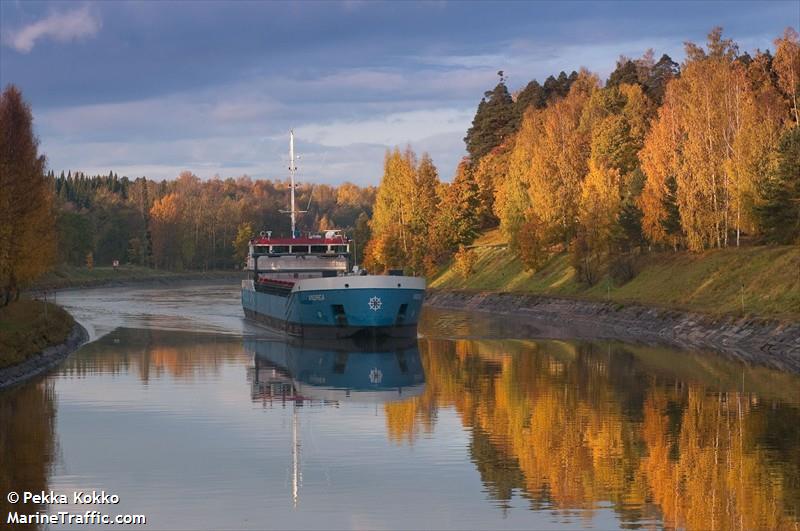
(340, 307)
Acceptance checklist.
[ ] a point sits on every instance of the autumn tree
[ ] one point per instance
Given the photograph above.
(391, 242)
(559, 159)
(424, 205)
(511, 199)
(787, 67)
(715, 139)
(166, 220)
(244, 232)
(489, 174)
(27, 245)
(456, 222)
(599, 209)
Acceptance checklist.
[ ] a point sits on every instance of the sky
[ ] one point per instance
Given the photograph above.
(154, 88)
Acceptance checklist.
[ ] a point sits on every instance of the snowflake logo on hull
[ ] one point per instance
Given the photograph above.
(375, 304)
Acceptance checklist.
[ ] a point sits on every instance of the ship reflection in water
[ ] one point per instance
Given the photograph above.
(305, 372)
(334, 371)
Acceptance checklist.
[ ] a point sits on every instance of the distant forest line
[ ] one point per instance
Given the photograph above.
(189, 223)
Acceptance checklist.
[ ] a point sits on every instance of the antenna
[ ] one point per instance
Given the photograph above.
(292, 169)
(310, 195)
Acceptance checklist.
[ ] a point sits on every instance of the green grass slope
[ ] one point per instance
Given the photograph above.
(715, 282)
(25, 330)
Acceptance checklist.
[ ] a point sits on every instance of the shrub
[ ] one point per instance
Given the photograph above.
(622, 268)
(464, 261)
(585, 260)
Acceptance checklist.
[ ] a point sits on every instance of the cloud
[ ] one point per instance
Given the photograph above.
(389, 130)
(61, 27)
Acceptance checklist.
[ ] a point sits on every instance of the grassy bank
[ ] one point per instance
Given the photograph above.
(71, 276)
(25, 331)
(766, 279)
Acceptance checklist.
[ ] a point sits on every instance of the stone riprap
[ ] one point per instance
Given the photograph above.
(771, 343)
(45, 360)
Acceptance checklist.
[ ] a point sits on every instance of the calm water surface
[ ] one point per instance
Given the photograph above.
(197, 419)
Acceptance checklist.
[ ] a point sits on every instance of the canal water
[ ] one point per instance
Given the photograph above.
(198, 420)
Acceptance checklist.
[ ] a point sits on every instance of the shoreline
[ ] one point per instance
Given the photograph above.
(68, 284)
(767, 342)
(44, 360)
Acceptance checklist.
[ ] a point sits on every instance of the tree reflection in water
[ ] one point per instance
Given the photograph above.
(27, 439)
(696, 441)
(682, 440)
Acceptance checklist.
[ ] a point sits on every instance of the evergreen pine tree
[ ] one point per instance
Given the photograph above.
(361, 235)
(550, 87)
(779, 212)
(493, 122)
(533, 95)
(664, 70)
(672, 221)
(624, 73)
(563, 84)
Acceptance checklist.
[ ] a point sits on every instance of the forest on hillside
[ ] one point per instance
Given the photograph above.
(662, 156)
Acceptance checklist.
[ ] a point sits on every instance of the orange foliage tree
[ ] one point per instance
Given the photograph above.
(27, 242)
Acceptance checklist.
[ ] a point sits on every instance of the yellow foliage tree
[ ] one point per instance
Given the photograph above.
(392, 210)
(659, 160)
(511, 200)
(489, 174)
(714, 138)
(600, 203)
(559, 158)
(165, 218)
(787, 65)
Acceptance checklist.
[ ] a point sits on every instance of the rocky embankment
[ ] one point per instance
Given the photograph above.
(771, 343)
(45, 360)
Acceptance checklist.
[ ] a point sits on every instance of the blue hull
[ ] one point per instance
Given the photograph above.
(338, 313)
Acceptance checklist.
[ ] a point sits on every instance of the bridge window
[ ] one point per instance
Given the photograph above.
(339, 248)
(299, 249)
(318, 248)
(280, 249)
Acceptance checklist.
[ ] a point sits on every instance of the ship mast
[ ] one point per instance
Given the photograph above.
(292, 170)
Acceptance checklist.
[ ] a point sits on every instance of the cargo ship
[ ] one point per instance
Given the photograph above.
(307, 285)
